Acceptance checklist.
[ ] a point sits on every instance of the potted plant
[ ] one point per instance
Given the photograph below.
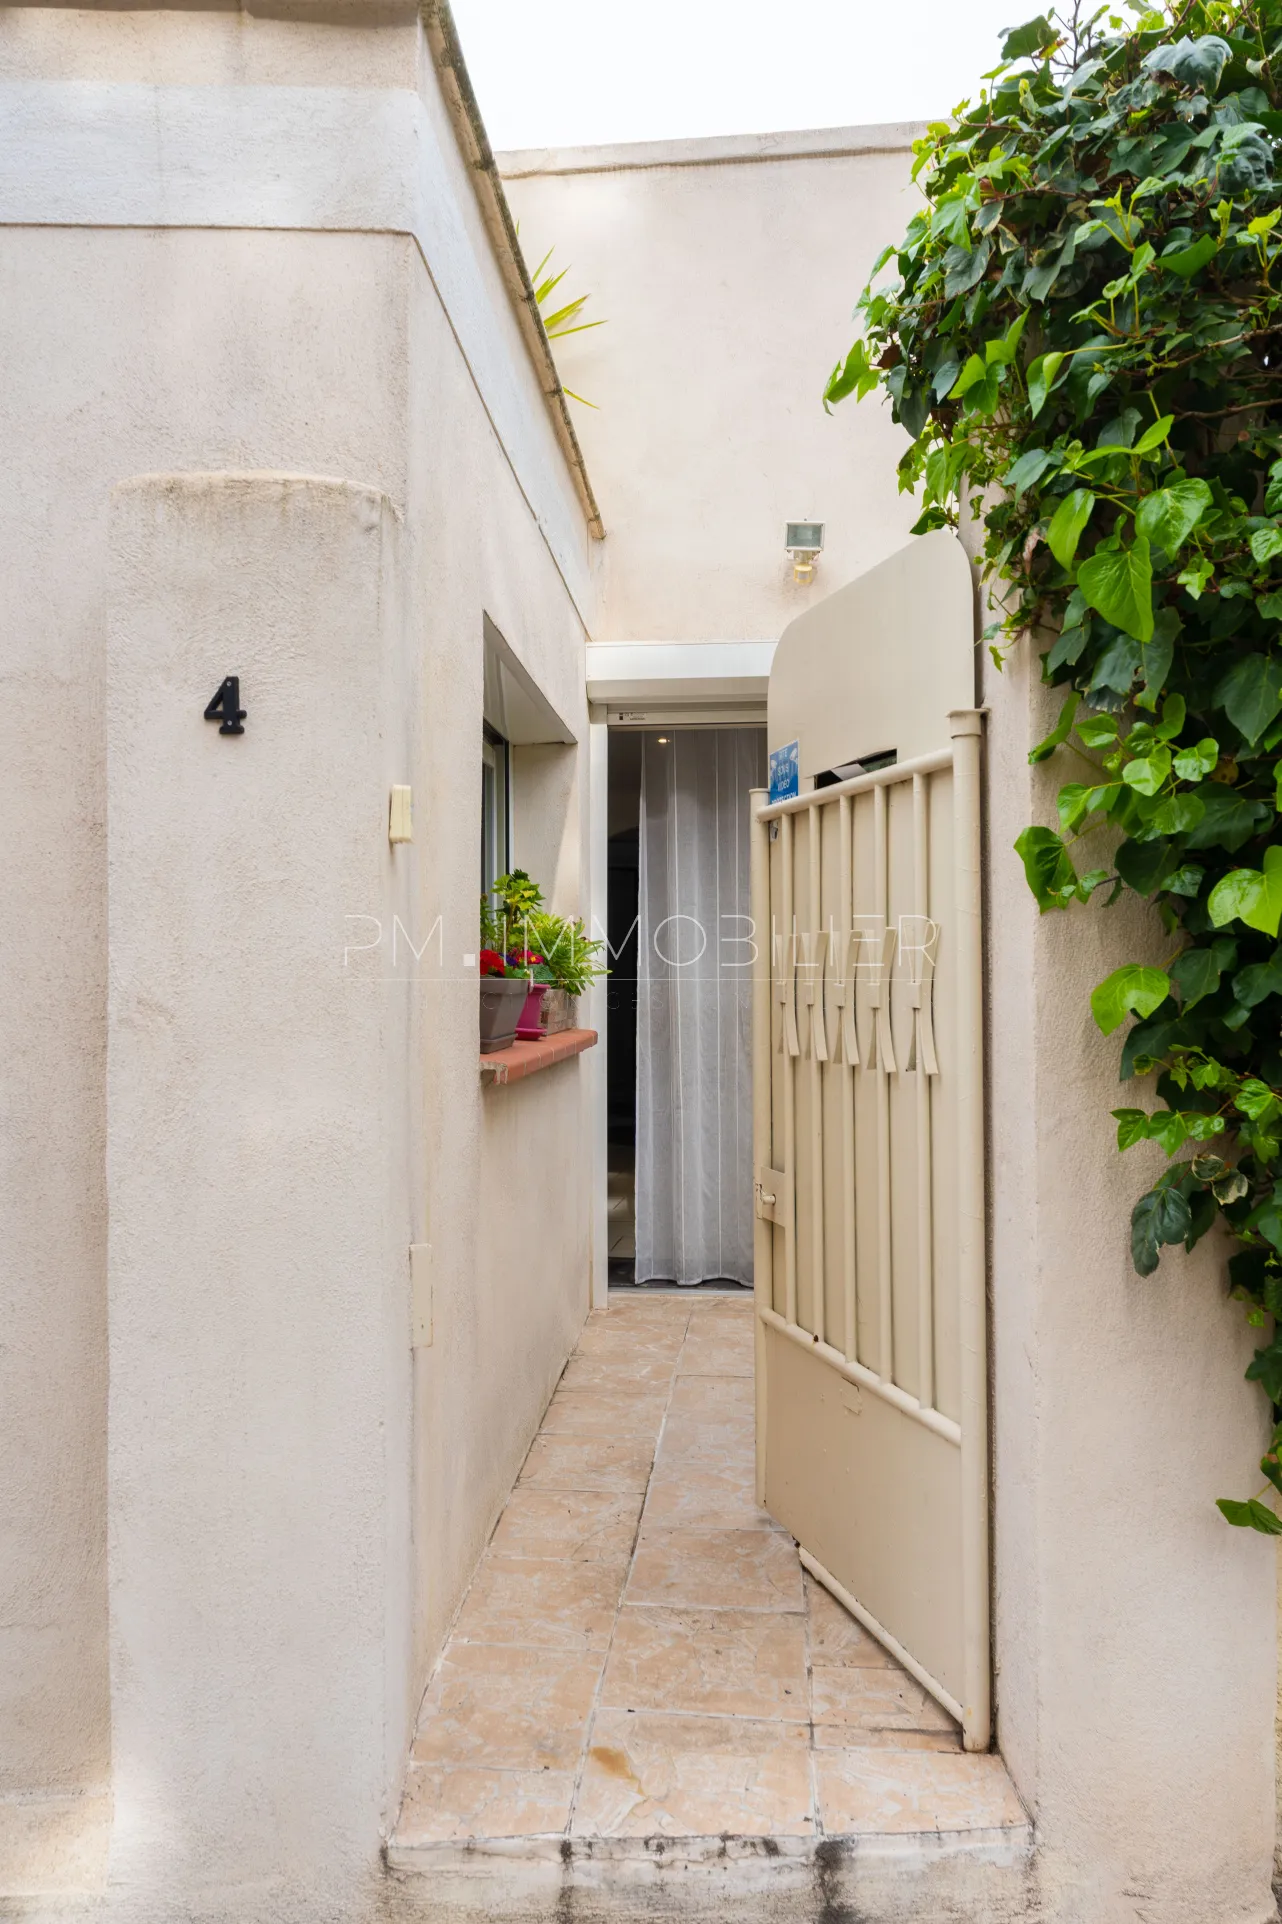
(570, 958)
(552, 952)
(502, 1000)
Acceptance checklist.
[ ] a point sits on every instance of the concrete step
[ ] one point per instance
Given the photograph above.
(923, 1877)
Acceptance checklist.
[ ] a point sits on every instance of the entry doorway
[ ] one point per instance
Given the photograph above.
(678, 1005)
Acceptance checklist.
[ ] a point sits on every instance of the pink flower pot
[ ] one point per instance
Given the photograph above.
(528, 1027)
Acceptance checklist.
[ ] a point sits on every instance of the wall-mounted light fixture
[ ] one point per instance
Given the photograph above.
(804, 541)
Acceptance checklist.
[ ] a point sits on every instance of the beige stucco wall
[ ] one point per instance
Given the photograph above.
(726, 271)
(1134, 1631)
(207, 336)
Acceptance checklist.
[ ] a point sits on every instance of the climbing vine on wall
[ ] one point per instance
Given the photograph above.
(1082, 335)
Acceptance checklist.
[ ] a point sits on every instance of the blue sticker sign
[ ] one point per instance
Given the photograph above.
(785, 772)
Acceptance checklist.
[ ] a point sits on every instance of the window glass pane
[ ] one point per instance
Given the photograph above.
(495, 809)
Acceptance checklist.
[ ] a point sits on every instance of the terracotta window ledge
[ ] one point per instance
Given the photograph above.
(527, 1058)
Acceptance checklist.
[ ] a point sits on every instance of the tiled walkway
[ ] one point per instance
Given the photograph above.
(641, 1655)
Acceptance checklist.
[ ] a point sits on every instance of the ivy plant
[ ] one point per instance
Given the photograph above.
(1081, 331)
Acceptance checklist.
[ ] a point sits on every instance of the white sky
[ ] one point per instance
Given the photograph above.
(569, 73)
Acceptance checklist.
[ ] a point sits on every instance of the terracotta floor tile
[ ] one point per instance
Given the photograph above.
(724, 1448)
(848, 1737)
(863, 1790)
(587, 1463)
(713, 1349)
(507, 1708)
(716, 1398)
(722, 1422)
(836, 1639)
(694, 1777)
(625, 1335)
(716, 1569)
(683, 1497)
(734, 1663)
(553, 1605)
(880, 1698)
(619, 1367)
(609, 1410)
(724, 1303)
(586, 1526)
(644, 1308)
(447, 1804)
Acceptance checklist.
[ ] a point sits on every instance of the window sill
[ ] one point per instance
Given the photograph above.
(527, 1058)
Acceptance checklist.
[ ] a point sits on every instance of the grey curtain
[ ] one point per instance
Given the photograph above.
(694, 1006)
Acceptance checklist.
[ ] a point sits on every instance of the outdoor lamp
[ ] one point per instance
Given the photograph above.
(804, 541)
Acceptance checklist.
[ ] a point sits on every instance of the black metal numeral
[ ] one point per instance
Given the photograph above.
(225, 708)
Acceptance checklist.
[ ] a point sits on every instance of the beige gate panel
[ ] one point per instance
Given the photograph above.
(894, 1530)
(867, 1049)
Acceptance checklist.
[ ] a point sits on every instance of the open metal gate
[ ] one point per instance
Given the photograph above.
(872, 1430)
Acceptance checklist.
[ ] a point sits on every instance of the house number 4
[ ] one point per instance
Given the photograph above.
(225, 708)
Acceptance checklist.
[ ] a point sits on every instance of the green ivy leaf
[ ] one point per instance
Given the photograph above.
(1196, 577)
(1132, 1127)
(1067, 523)
(1098, 731)
(1161, 1216)
(1256, 1100)
(962, 268)
(1170, 1130)
(1143, 866)
(1258, 980)
(1002, 352)
(1058, 734)
(855, 375)
(1174, 716)
(1044, 375)
(1265, 543)
(1030, 468)
(1251, 695)
(1252, 1515)
(1196, 973)
(1154, 437)
(1130, 990)
(1192, 763)
(1035, 36)
(1168, 517)
(1252, 896)
(1147, 773)
(1118, 584)
(1229, 820)
(1186, 261)
(1176, 815)
(1047, 866)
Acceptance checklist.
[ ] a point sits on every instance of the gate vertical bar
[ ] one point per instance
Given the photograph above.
(885, 1253)
(789, 1172)
(925, 1171)
(818, 1286)
(762, 1133)
(849, 1252)
(966, 726)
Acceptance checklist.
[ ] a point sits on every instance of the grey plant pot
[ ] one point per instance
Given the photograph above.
(502, 1000)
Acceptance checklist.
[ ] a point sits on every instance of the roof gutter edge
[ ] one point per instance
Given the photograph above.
(469, 130)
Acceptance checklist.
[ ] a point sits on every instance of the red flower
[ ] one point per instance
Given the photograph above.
(525, 959)
(492, 962)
